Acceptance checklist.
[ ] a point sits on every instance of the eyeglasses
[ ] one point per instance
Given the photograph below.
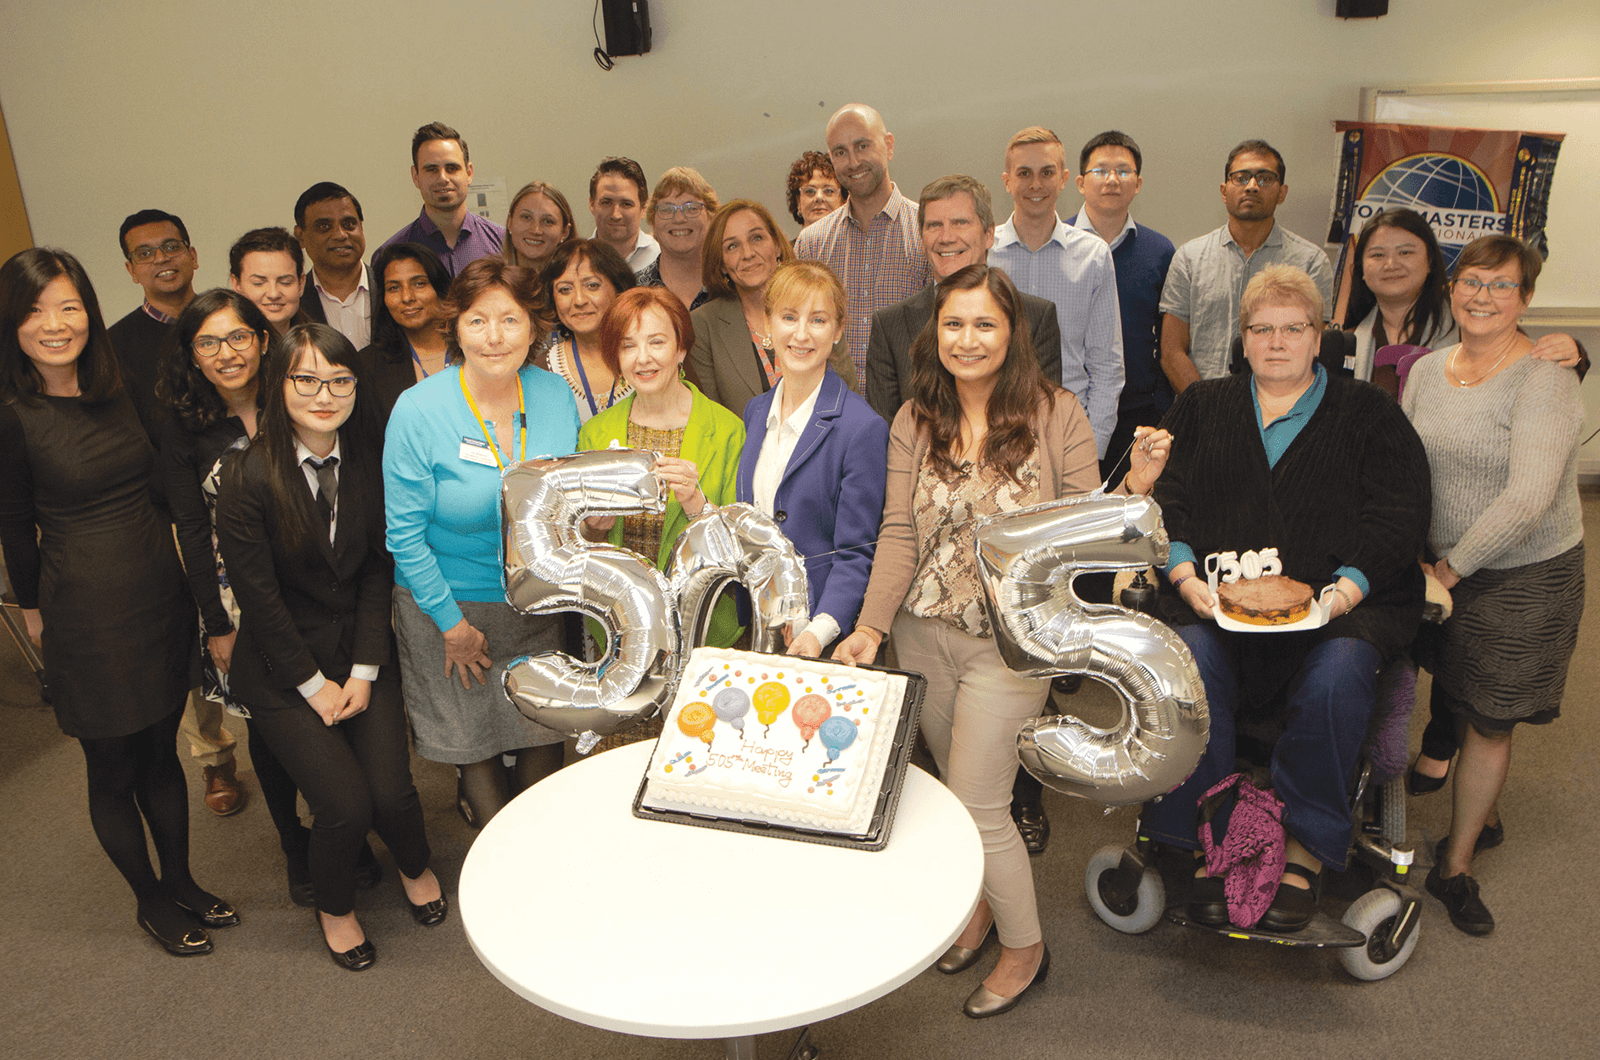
(1121, 173)
(340, 386)
(210, 345)
(826, 191)
(1290, 331)
(666, 211)
(1264, 178)
(144, 255)
(1498, 289)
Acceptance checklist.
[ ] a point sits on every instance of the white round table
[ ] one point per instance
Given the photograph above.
(673, 931)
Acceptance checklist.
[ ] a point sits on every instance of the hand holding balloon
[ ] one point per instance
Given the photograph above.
(1147, 459)
(683, 479)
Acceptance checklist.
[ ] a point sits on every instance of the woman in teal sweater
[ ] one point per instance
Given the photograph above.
(644, 338)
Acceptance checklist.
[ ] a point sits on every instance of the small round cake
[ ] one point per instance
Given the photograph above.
(1270, 600)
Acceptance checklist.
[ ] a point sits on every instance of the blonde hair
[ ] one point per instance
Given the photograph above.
(1035, 134)
(1278, 285)
(794, 281)
(675, 181)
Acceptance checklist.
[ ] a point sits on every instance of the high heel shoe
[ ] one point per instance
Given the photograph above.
(357, 958)
(959, 958)
(983, 1002)
(1418, 783)
(192, 943)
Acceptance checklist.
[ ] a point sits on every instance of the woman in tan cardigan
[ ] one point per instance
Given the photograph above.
(984, 433)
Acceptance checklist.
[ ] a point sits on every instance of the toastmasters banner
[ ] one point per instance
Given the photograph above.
(1467, 183)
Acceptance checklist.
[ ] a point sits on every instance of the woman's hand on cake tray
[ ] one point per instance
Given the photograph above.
(1148, 458)
(805, 644)
(466, 651)
(861, 646)
(1193, 588)
(1346, 595)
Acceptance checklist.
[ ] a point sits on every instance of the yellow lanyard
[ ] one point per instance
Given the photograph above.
(522, 419)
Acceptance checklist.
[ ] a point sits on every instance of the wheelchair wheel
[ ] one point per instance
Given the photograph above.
(1392, 797)
(1373, 914)
(1141, 912)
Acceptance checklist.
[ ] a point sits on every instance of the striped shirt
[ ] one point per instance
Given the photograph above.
(1074, 270)
(879, 265)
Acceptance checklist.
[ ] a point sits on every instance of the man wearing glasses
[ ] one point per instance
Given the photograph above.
(617, 194)
(1050, 259)
(1200, 302)
(1109, 178)
(161, 261)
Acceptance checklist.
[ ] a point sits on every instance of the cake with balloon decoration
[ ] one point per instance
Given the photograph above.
(778, 739)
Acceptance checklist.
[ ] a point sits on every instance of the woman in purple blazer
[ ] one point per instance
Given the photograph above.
(815, 454)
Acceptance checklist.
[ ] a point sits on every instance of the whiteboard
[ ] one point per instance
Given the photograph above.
(1571, 277)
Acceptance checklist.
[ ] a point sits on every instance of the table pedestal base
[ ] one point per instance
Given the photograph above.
(745, 1048)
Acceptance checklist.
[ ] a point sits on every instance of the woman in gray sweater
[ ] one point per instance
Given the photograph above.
(1501, 429)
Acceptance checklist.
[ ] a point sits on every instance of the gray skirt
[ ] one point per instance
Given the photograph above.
(459, 726)
(1503, 654)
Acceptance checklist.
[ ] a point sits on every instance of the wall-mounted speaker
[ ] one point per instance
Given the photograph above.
(1342, 8)
(627, 26)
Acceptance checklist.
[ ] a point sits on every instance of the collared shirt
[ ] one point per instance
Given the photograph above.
(650, 276)
(879, 265)
(352, 316)
(157, 315)
(783, 436)
(1082, 223)
(360, 671)
(479, 238)
(1075, 271)
(1208, 277)
(644, 253)
(1141, 256)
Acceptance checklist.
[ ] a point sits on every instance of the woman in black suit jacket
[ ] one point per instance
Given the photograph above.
(314, 659)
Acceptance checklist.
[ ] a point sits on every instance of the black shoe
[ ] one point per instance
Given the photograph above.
(187, 941)
(368, 872)
(357, 958)
(1422, 784)
(301, 892)
(431, 914)
(983, 1002)
(210, 910)
(1292, 907)
(1460, 897)
(1032, 824)
(1067, 684)
(1208, 901)
(1491, 836)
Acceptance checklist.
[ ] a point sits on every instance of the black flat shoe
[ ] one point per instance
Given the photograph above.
(357, 958)
(301, 892)
(1422, 784)
(431, 914)
(1033, 825)
(1208, 901)
(1491, 836)
(983, 1002)
(1292, 907)
(212, 912)
(1459, 894)
(192, 943)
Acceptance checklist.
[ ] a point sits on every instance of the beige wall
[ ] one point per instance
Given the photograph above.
(224, 113)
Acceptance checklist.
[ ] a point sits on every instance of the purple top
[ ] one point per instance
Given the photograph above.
(480, 238)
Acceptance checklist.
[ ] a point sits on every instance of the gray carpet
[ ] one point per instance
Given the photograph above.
(79, 979)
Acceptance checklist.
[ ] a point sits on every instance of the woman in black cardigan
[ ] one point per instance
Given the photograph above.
(1328, 471)
(302, 537)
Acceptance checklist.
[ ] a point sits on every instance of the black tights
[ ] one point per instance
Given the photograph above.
(487, 787)
(135, 781)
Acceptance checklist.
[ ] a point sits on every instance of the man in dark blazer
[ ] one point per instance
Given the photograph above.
(956, 219)
(328, 224)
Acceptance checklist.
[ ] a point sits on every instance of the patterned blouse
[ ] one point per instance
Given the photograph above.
(642, 533)
(946, 583)
(563, 361)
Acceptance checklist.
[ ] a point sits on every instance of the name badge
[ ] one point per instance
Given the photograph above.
(477, 451)
(1349, 362)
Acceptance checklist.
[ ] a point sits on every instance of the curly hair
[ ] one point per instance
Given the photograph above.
(807, 165)
(180, 385)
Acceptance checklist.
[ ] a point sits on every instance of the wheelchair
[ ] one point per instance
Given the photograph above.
(1379, 931)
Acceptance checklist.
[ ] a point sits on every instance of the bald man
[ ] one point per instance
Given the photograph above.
(871, 242)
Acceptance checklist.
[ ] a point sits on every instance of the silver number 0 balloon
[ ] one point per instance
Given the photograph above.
(1026, 562)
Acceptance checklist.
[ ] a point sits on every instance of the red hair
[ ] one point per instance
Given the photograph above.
(623, 315)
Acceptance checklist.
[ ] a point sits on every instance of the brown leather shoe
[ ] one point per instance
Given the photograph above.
(223, 794)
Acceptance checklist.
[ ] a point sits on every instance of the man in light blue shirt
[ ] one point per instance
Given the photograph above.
(1049, 258)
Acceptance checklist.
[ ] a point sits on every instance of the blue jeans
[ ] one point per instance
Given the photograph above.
(1327, 705)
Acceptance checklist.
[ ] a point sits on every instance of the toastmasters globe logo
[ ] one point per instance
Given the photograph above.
(1454, 196)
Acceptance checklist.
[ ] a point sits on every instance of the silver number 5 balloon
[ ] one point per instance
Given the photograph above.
(1026, 562)
(550, 567)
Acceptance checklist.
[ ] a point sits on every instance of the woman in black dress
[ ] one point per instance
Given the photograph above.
(95, 571)
(300, 523)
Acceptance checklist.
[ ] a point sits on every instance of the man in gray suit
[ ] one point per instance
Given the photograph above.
(956, 220)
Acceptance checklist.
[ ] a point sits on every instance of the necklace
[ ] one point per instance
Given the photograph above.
(1450, 367)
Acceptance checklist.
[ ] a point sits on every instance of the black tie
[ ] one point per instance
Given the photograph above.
(327, 486)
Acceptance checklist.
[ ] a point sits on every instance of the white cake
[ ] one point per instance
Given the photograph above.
(786, 740)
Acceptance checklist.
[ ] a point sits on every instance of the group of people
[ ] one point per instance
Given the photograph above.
(328, 446)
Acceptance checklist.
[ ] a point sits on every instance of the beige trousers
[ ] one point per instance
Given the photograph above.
(202, 727)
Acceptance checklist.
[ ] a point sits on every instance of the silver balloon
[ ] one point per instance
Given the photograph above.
(549, 566)
(738, 542)
(1026, 562)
